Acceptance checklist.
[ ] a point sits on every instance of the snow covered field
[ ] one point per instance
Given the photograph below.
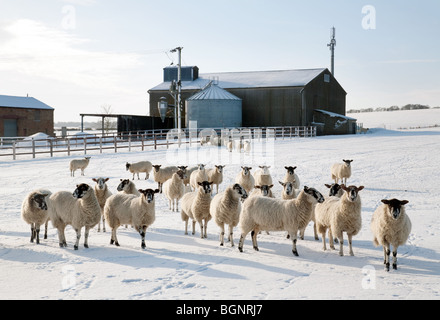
(390, 164)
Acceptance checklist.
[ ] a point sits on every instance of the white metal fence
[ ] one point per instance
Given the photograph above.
(139, 141)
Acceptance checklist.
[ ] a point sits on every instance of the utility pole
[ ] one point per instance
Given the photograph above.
(179, 87)
(332, 46)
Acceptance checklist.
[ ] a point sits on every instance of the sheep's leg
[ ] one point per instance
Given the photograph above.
(194, 227)
(350, 236)
(254, 234)
(395, 258)
(201, 228)
(114, 239)
(186, 226)
(32, 232)
(241, 242)
(293, 235)
(315, 232)
(386, 251)
(61, 236)
(142, 231)
(331, 239)
(231, 238)
(301, 233)
(222, 234)
(103, 223)
(324, 247)
(78, 236)
(45, 229)
(37, 233)
(205, 228)
(86, 237)
(341, 244)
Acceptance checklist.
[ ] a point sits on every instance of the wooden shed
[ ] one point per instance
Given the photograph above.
(24, 116)
(269, 98)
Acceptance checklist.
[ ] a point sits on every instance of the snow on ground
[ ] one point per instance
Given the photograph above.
(400, 164)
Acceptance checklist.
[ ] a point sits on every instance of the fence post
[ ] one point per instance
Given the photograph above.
(33, 148)
(155, 142)
(13, 151)
(100, 144)
(129, 142)
(142, 141)
(51, 148)
(116, 143)
(85, 145)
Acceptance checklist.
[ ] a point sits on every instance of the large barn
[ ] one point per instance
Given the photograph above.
(24, 116)
(269, 98)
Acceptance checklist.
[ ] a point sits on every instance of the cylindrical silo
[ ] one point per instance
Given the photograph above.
(214, 107)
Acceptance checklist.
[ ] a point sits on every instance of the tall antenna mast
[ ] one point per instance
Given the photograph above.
(332, 46)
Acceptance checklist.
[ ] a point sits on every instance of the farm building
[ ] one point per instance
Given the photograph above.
(268, 98)
(24, 116)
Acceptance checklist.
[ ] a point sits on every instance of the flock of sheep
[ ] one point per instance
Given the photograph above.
(249, 201)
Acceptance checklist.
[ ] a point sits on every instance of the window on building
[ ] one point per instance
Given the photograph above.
(37, 115)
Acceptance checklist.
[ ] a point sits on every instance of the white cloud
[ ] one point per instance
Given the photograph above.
(35, 49)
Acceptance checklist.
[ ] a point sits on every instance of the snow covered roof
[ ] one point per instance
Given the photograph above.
(252, 79)
(213, 92)
(333, 114)
(22, 102)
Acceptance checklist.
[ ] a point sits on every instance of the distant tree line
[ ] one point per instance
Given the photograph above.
(392, 108)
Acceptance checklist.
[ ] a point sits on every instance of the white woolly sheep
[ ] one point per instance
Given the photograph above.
(162, 174)
(34, 212)
(230, 145)
(76, 164)
(174, 189)
(195, 205)
(128, 187)
(340, 215)
(187, 171)
(247, 147)
(263, 213)
(138, 211)
(197, 176)
(262, 176)
(225, 208)
(341, 171)
(246, 179)
(78, 210)
(391, 226)
(264, 190)
(142, 166)
(102, 194)
(292, 176)
(289, 191)
(215, 175)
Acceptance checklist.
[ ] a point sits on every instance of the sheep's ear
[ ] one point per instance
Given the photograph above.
(199, 183)
(211, 182)
(94, 179)
(360, 188)
(106, 179)
(403, 202)
(285, 167)
(270, 186)
(343, 187)
(306, 188)
(46, 194)
(327, 185)
(294, 168)
(385, 201)
(156, 190)
(258, 187)
(281, 183)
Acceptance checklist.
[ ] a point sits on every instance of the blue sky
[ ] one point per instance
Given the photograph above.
(78, 55)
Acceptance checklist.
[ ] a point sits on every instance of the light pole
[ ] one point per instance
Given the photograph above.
(179, 87)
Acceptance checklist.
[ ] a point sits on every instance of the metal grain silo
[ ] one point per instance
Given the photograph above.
(214, 107)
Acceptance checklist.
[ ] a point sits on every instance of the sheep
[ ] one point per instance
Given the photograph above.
(247, 147)
(289, 191)
(142, 166)
(187, 173)
(78, 210)
(195, 205)
(230, 145)
(263, 213)
(215, 175)
(262, 176)
(225, 208)
(246, 179)
(102, 194)
(128, 187)
(197, 176)
(340, 215)
(335, 190)
(263, 190)
(292, 176)
(174, 189)
(79, 164)
(34, 212)
(139, 211)
(341, 171)
(391, 226)
(163, 174)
